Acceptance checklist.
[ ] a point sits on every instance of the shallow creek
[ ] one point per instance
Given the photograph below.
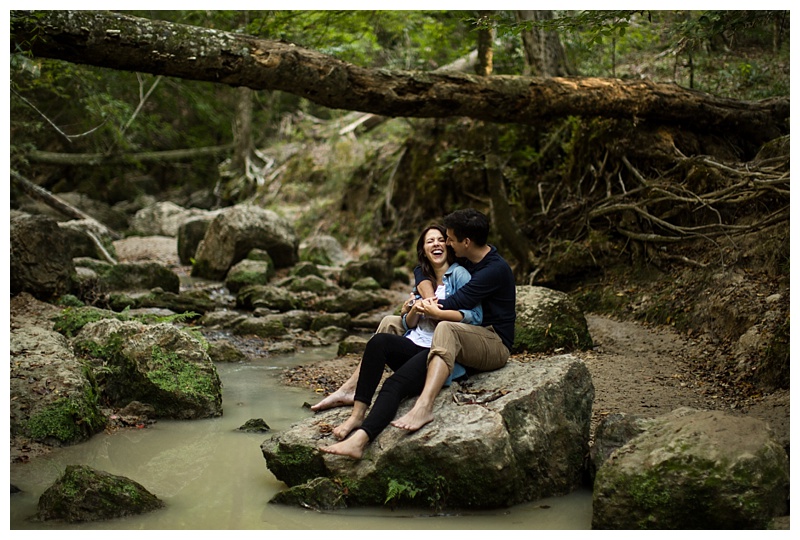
(213, 477)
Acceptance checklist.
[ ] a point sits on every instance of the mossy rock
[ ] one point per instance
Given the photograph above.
(83, 494)
(548, 320)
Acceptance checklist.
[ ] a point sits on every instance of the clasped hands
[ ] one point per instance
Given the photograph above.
(422, 306)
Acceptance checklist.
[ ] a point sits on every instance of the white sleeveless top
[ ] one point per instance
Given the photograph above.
(422, 334)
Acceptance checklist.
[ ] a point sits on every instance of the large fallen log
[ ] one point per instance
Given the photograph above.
(123, 42)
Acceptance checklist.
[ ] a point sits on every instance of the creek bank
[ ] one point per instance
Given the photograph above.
(634, 367)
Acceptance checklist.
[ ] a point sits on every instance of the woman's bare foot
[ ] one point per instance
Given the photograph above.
(352, 446)
(344, 429)
(339, 398)
(414, 419)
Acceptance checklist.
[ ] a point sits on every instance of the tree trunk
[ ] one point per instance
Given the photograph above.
(485, 49)
(242, 131)
(129, 43)
(544, 53)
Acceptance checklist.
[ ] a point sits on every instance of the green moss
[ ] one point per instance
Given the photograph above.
(68, 419)
(173, 374)
(564, 332)
(70, 321)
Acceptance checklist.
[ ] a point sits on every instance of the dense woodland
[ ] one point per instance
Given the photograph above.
(622, 155)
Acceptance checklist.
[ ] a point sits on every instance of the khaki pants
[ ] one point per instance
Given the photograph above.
(391, 324)
(476, 347)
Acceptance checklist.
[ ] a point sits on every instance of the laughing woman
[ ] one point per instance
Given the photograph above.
(406, 355)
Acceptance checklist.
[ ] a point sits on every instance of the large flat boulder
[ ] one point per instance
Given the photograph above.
(505, 437)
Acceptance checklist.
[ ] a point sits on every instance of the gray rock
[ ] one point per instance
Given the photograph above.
(225, 351)
(270, 297)
(266, 327)
(517, 434)
(378, 269)
(354, 302)
(190, 233)
(41, 258)
(694, 469)
(323, 320)
(323, 250)
(42, 359)
(352, 345)
(548, 320)
(248, 272)
(164, 218)
(305, 268)
(236, 231)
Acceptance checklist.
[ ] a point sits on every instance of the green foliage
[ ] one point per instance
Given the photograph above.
(397, 490)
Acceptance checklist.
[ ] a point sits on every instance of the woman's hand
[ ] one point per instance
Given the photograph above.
(429, 307)
(406, 307)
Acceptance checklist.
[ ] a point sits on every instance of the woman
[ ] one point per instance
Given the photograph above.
(407, 354)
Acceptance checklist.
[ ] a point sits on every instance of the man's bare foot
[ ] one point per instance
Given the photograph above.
(352, 447)
(338, 398)
(343, 430)
(414, 419)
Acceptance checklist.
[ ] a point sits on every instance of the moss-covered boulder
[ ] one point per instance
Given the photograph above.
(85, 494)
(139, 276)
(268, 297)
(53, 397)
(312, 284)
(693, 469)
(323, 250)
(378, 269)
(160, 365)
(249, 272)
(305, 268)
(324, 320)
(548, 320)
(265, 327)
(354, 302)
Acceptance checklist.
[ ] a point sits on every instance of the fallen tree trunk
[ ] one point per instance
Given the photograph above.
(62, 158)
(41, 194)
(123, 42)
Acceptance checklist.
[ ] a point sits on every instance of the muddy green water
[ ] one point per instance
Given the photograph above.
(212, 477)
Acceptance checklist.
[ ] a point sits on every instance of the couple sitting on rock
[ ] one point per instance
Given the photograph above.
(461, 317)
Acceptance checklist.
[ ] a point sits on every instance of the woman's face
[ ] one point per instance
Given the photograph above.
(434, 246)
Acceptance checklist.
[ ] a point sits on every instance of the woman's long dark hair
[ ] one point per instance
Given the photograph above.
(423, 261)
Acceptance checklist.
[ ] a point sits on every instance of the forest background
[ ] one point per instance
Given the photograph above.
(665, 222)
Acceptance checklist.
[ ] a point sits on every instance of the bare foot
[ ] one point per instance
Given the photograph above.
(352, 447)
(337, 399)
(414, 419)
(343, 430)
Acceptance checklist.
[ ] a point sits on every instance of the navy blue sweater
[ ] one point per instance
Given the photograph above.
(493, 286)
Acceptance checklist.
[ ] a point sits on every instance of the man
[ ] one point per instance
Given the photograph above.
(480, 348)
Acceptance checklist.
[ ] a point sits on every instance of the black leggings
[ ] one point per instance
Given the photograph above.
(409, 362)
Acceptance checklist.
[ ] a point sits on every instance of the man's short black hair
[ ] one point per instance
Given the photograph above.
(469, 223)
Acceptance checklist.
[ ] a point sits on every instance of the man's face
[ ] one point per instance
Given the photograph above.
(458, 246)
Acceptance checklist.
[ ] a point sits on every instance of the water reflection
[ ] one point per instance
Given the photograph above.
(213, 477)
